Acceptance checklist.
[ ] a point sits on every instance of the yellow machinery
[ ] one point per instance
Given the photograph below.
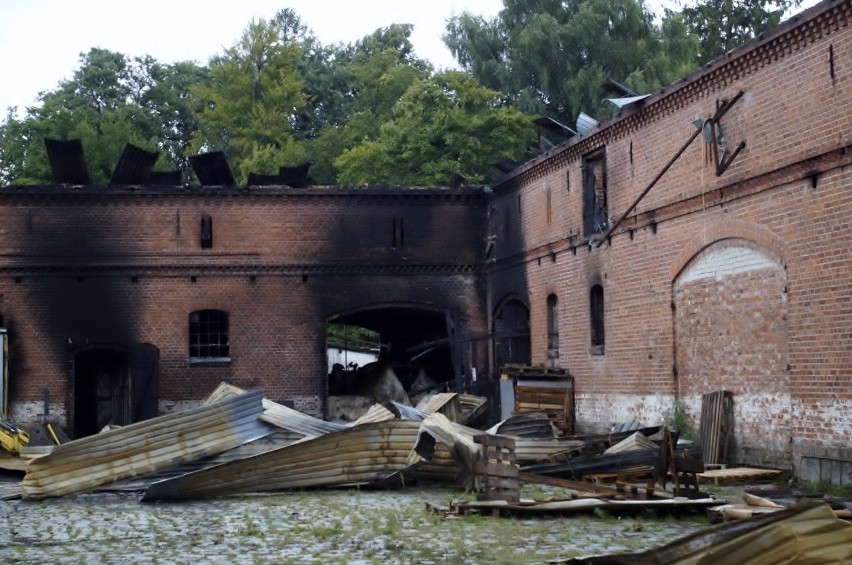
(12, 438)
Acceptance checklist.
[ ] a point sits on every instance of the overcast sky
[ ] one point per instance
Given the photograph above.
(41, 40)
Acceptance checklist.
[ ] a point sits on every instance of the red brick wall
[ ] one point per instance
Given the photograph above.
(110, 267)
(795, 120)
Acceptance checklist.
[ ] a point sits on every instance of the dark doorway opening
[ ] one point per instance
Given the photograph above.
(101, 390)
(413, 341)
(512, 334)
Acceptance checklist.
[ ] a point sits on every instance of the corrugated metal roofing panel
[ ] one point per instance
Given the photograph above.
(356, 456)
(807, 533)
(146, 447)
(280, 415)
(134, 166)
(67, 164)
(212, 169)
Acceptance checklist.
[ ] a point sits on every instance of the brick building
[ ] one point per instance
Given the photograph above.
(730, 270)
(733, 272)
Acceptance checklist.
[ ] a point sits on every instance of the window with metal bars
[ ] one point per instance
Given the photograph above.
(208, 335)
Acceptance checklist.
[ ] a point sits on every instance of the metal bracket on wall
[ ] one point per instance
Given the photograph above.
(721, 111)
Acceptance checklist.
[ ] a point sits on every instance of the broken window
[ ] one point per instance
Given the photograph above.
(553, 326)
(208, 335)
(206, 231)
(595, 212)
(596, 307)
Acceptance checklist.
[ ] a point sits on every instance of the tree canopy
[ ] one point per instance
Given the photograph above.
(553, 56)
(372, 111)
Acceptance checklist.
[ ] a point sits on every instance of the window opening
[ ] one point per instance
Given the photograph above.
(206, 231)
(596, 306)
(595, 212)
(208, 335)
(553, 324)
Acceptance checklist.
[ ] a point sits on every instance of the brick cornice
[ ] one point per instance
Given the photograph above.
(790, 37)
(110, 194)
(144, 270)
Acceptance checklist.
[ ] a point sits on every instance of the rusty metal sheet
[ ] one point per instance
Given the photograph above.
(356, 456)
(146, 447)
(447, 403)
(807, 533)
(376, 413)
(280, 415)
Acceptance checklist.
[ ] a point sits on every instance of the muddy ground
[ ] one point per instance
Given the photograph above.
(326, 526)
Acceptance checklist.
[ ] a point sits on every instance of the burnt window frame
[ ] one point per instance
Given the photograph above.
(595, 199)
(552, 326)
(597, 329)
(209, 336)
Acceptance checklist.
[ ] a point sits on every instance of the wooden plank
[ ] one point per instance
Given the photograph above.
(495, 469)
(492, 482)
(534, 478)
(495, 441)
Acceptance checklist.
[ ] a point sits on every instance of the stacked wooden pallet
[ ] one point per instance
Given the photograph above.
(546, 390)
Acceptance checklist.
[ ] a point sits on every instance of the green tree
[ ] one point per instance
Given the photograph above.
(442, 127)
(721, 25)
(371, 76)
(553, 56)
(250, 103)
(96, 106)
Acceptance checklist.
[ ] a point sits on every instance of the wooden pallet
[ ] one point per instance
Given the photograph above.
(738, 474)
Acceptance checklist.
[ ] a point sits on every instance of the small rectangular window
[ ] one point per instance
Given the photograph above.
(208, 335)
(553, 326)
(596, 312)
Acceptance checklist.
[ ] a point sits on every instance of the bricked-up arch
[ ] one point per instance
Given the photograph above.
(730, 334)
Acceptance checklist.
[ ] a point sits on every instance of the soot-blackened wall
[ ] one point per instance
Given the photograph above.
(107, 269)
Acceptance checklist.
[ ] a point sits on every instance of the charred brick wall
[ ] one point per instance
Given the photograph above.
(776, 332)
(109, 266)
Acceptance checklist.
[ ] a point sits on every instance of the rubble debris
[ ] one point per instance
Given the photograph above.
(573, 505)
(807, 533)
(12, 438)
(359, 455)
(628, 426)
(280, 416)
(682, 465)
(497, 469)
(738, 474)
(447, 403)
(716, 426)
(758, 500)
(539, 389)
(145, 447)
(637, 441)
(531, 425)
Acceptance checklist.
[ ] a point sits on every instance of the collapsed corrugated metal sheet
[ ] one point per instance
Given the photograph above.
(280, 415)
(437, 430)
(807, 533)
(376, 413)
(146, 447)
(447, 403)
(356, 456)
